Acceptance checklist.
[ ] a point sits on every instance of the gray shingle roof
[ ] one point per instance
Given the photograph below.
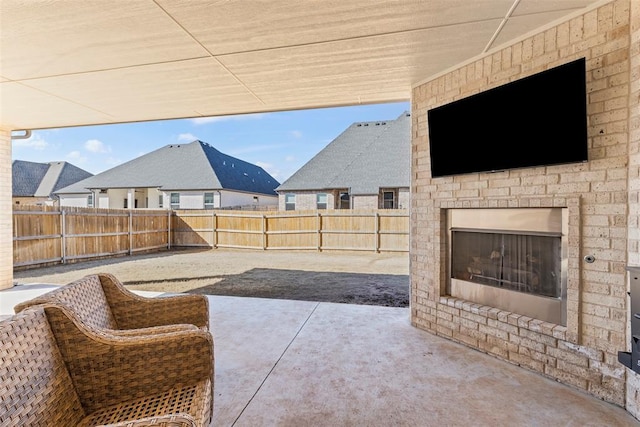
(364, 158)
(193, 166)
(31, 179)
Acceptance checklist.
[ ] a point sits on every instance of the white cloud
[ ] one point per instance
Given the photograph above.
(296, 134)
(205, 120)
(35, 142)
(290, 159)
(271, 170)
(186, 137)
(76, 157)
(96, 146)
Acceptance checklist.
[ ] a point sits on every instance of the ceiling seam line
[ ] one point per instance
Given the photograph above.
(368, 36)
(237, 79)
(501, 26)
(124, 67)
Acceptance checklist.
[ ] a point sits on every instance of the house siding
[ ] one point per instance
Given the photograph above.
(306, 200)
(74, 200)
(40, 201)
(601, 196)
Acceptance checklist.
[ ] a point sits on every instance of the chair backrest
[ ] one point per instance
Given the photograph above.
(36, 388)
(85, 297)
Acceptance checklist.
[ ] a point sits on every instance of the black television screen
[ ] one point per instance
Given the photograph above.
(534, 121)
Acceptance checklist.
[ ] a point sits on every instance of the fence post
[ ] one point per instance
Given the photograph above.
(319, 232)
(377, 236)
(130, 232)
(264, 232)
(169, 229)
(215, 230)
(63, 239)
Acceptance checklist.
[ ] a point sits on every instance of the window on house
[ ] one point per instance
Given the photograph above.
(90, 200)
(345, 201)
(290, 202)
(160, 200)
(389, 199)
(321, 201)
(208, 200)
(175, 200)
(125, 203)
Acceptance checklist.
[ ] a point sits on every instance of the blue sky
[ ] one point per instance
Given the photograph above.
(278, 142)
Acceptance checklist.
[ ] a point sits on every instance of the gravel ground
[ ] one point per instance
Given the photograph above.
(343, 277)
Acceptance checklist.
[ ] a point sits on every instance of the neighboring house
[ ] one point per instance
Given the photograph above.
(177, 176)
(35, 183)
(367, 166)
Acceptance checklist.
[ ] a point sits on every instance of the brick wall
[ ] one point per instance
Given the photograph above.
(583, 353)
(633, 380)
(6, 218)
(307, 200)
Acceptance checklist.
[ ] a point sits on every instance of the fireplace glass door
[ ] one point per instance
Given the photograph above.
(517, 262)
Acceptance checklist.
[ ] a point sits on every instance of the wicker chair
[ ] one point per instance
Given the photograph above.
(56, 371)
(101, 301)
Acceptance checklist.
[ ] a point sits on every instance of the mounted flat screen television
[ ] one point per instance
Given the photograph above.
(534, 121)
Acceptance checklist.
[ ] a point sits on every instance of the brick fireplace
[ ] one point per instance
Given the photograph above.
(597, 203)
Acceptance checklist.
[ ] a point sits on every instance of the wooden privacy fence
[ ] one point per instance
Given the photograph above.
(376, 230)
(43, 235)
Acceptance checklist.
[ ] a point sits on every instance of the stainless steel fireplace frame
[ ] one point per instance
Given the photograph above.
(537, 221)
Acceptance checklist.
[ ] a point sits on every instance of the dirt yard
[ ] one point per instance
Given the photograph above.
(342, 277)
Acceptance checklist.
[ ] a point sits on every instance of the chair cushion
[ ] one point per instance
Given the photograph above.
(188, 401)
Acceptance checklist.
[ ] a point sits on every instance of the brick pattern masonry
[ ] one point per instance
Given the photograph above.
(601, 196)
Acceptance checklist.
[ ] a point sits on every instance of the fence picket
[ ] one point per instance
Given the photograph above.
(85, 233)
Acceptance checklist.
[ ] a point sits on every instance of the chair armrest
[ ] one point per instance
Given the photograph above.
(108, 369)
(133, 311)
(154, 330)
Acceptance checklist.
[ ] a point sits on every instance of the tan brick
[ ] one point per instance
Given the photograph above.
(614, 393)
(566, 377)
(495, 332)
(528, 343)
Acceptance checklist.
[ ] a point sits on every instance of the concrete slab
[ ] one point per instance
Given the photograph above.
(352, 365)
(301, 363)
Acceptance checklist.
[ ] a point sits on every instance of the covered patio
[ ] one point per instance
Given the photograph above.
(303, 363)
(77, 63)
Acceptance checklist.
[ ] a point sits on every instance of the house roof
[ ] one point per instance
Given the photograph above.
(193, 166)
(31, 179)
(367, 156)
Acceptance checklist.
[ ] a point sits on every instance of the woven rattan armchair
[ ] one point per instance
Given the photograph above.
(56, 371)
(101, 301)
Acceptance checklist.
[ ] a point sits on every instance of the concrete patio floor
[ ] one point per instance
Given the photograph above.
(300, 363)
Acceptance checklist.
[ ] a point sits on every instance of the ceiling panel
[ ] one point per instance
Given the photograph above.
(235, 26)
(362, 63)
(18, 102)
(166, 90)
(47, 38)
(528, 7)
